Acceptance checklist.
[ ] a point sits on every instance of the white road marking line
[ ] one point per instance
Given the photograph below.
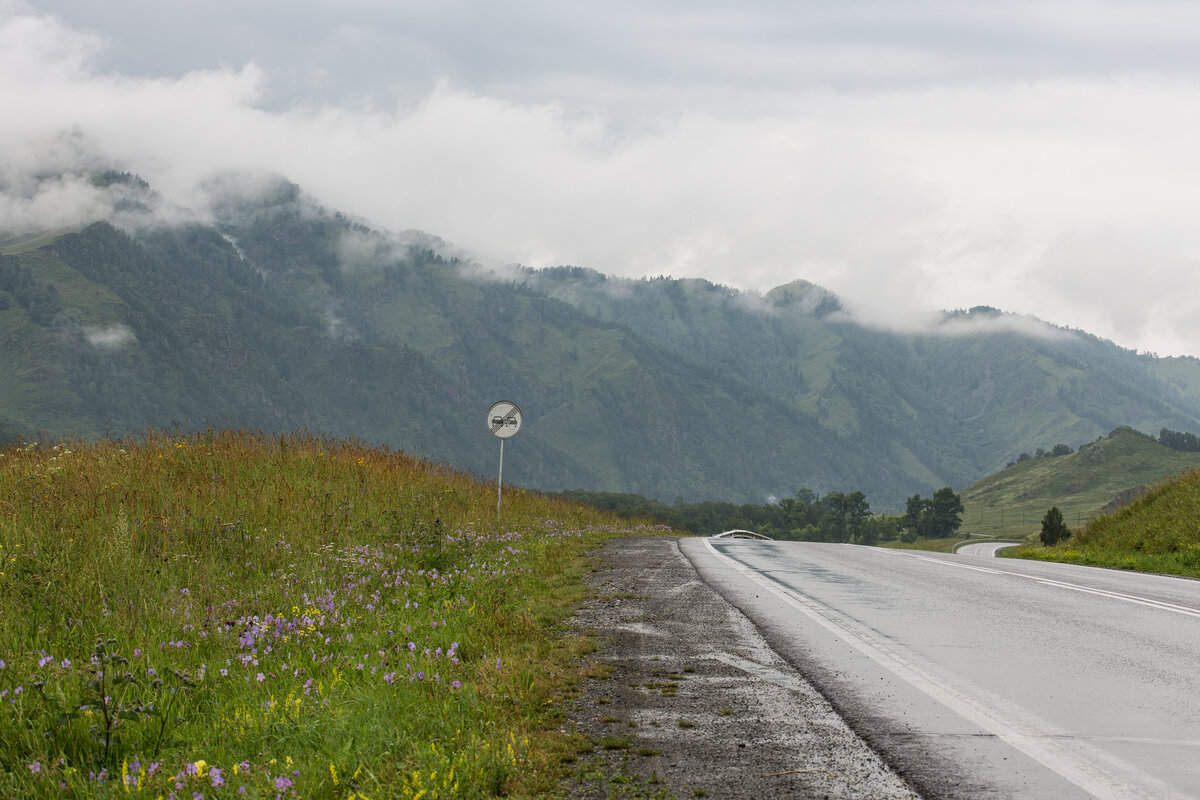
(1079, 762)
(1149, 602)
(956, 564)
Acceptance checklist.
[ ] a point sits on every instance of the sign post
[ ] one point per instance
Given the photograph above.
(503, 420)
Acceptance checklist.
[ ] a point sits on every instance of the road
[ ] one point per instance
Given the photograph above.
(986, 678)
(984, 549)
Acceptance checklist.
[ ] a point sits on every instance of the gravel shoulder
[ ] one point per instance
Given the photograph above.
(687, 699)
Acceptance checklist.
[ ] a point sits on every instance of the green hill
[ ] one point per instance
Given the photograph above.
(1013, 501)
(1157, 532)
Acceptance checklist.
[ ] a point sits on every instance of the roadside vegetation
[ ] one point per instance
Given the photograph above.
(1103, 474)
(804, 517)
(233, 615)
(1157, 532)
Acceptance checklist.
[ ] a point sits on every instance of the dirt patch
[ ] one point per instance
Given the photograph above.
(688, 700)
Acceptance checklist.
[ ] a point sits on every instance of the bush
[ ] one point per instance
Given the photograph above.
(1054, 530)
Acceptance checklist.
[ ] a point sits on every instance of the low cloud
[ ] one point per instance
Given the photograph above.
(367, 251)
(109, 337)
(53, 202)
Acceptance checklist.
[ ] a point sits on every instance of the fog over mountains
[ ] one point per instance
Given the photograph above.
(255, 306)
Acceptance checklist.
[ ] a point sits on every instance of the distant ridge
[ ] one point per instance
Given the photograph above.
(274, 313)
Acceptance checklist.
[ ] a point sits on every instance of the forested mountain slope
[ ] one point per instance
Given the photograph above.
(961, 398)
(274, 313)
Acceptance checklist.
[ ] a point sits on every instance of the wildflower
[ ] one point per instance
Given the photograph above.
(261, 677)
(35, 767)
(66, 662)
(456, 685)
(282, 783)
(217, 778)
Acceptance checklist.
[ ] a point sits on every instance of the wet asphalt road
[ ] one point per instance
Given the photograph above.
(980, 677)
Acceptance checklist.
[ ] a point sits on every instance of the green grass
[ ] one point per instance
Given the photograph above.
(292, 616)
(934, 545)
(1012, 502)
(12, 242)
(1159, 532)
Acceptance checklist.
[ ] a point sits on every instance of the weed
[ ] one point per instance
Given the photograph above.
(292, 616)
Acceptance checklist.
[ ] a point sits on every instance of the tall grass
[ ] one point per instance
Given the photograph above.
(236, 615)
(1158, 532)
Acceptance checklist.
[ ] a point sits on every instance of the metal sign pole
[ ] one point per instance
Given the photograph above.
(500, 480)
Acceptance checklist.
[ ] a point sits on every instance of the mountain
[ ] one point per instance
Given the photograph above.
(273, 313)
(1100, 475)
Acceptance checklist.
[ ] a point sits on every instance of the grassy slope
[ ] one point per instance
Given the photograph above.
(1013, 501)
(297, 616)
(1156, 533)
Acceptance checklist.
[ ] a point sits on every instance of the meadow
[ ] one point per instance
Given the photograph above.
(1158, 532)
(230, 614)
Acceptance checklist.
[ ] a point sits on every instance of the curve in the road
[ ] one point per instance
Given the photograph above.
(858, 597)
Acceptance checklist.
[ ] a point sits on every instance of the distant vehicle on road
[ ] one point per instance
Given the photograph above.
(741, 534)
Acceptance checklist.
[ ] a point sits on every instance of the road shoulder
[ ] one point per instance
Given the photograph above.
(688, 700)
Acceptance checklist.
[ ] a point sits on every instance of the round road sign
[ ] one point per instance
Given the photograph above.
(504, 419)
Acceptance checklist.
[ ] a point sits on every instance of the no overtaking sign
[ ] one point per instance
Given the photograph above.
(504, 419)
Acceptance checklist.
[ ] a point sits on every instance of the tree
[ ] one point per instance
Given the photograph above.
(1054, 530)
(932, 518)
(945, 512)
(844, 519)
(913, 520)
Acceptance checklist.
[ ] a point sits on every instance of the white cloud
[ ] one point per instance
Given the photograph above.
(899, 167)
(109, 337)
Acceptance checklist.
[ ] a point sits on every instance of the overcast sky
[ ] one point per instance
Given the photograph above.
(1040, 157)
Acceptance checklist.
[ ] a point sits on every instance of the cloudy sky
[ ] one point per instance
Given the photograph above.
(1042, 157)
